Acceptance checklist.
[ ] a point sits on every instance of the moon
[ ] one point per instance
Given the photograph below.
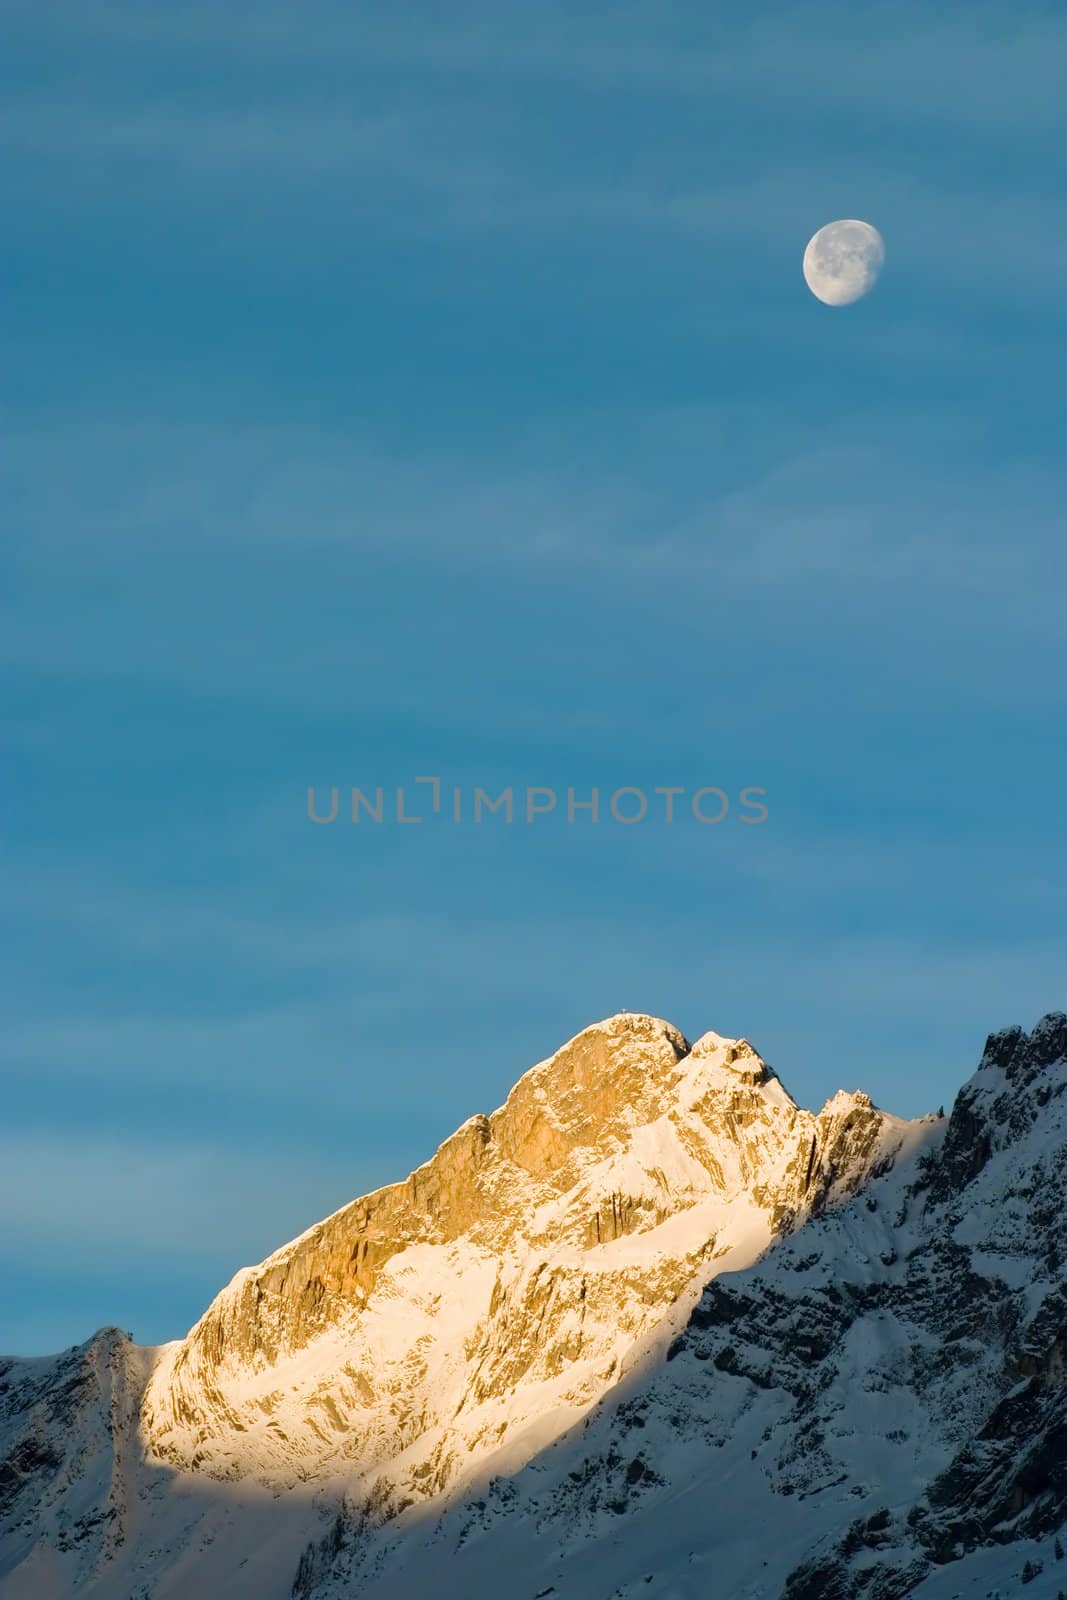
(843, 261)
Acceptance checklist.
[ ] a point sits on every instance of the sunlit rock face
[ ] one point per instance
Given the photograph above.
(875, 1409)
(489, 1299)
(648, 1330)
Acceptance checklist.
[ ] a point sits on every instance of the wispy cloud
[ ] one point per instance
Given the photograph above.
(417, 126)
(409, 391)
(809, 56)
(823, 533)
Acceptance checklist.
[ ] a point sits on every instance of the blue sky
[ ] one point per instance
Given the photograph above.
(417, 390)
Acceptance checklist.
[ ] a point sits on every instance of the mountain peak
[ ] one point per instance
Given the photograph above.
(450, 1337)
(516, 1273)
(638, 1024)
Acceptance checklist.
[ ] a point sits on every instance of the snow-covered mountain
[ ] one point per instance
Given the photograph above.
(650, 1328)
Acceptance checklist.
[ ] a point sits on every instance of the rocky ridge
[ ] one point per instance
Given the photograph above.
(508, 1279)
(565, 1350)
(876, 1409)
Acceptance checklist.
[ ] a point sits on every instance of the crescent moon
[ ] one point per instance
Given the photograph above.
(843, 261)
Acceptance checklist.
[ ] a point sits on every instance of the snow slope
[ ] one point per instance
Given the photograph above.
(499, 1291)
(877, 1408)
(650, 1328)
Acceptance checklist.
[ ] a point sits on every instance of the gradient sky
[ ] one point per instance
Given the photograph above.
(399, 390)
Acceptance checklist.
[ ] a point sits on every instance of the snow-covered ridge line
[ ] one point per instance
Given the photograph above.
(876, 1409)
(646, 1329)
(506, 1279)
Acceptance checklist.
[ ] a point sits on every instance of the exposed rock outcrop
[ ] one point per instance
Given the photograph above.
(513, 1274)
(648, 1329)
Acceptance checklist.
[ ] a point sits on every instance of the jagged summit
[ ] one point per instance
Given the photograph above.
(516, 1272)
(639, 1024)
(1020, 1054)
(875, 1409)
(735, 1053)
(646, 1290)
